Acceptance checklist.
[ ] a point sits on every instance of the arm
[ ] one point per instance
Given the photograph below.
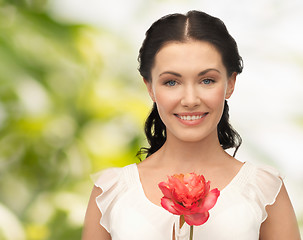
(92, 229)
(281, 222)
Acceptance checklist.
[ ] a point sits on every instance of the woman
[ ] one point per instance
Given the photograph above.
(189, 64)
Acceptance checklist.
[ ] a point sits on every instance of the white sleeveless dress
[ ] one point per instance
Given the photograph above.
(127, 214)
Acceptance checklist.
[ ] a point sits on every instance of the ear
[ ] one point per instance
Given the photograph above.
(149, 87)
(230, 85)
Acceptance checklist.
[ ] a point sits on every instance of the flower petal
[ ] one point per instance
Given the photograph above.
(196, 219)
(188, 195)
(178, 185)
(168, 204)
(182, 210)
(165, 189)
(210, 200)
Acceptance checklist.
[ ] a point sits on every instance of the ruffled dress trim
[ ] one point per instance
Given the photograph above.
(261, 185)
(111, 185)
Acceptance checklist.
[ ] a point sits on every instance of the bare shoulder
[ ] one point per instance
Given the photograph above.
(92, 228)
(236, 165)
(229, 166)
(150, 169)
(281, 213)
(149, 166)
(148, 162)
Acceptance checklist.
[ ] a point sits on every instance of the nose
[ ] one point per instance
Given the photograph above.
(190, 98)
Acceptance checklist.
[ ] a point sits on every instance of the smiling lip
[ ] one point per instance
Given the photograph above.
(191, 118)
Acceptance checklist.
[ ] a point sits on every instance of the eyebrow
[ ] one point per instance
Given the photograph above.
(200, 74)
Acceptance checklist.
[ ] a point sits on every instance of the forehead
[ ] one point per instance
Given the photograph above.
(190, 55)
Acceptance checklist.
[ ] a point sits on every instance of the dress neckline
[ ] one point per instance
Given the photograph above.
(236, 179)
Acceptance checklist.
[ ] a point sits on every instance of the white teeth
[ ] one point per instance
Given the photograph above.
(191, 118)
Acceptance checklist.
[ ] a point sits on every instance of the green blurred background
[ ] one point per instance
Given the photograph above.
(68, 108)
(72, 103)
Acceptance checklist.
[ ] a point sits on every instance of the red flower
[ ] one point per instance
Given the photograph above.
(189, 195)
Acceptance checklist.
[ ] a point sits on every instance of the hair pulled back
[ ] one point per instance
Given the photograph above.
(194, 25)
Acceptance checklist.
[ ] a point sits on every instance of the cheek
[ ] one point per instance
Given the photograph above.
(215, 98)
(166, 99)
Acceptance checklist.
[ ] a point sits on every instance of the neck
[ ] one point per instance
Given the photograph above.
(187, 155)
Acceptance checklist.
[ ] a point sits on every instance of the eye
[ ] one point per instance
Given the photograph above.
(171, 83)
(207, 81)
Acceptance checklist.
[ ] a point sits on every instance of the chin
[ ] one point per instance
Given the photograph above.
(192, 138)
(196, 135)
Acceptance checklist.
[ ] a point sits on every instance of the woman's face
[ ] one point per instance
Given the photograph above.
(189, 85)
